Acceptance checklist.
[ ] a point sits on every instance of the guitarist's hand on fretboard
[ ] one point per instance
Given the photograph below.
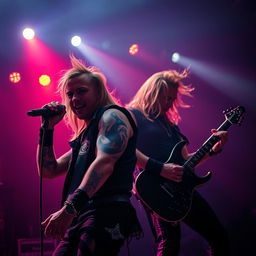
(172, 172)
(223, 136)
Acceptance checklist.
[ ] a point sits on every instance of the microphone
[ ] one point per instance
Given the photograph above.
(45, 112)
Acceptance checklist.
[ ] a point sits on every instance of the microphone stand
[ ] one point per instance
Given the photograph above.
(44, 127)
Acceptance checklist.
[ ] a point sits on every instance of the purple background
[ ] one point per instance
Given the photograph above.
(217, 38)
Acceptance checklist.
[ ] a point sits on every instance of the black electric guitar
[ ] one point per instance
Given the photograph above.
(169, 200)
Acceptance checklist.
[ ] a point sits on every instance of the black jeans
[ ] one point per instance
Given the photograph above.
(100, 231)
(201, 219)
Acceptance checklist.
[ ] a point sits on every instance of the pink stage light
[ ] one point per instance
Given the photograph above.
(15, 77)
(41, 60)
(134, 49)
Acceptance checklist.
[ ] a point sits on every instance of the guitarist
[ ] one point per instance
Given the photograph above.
(155, 107)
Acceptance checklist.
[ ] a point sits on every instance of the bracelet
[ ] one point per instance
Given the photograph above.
(46, 137)
(77, 200)
(70, 209)
(154, 166)
(213, 153)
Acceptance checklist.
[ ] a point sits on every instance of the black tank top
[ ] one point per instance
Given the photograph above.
(83, 154)
(156, 138)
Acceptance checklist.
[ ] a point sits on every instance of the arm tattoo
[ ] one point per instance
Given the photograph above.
(49, 160)
(93, 182)
(113, 137)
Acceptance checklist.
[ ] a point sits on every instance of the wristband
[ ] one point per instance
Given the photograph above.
(154, 166)
(213, 153)
(46, 137)
(70, 209)
(77, 200)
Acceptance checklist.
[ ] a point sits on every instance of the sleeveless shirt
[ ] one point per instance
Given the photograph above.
(156, 138)
(83, 154)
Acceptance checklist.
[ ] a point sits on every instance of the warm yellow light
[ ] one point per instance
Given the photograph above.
(133, 49)
(44, 80)
(15, 77)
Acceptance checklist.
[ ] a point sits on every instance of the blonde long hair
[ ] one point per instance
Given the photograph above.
(99, 80)
(146, 98)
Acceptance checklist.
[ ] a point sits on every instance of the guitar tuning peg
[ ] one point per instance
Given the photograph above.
(241, 120)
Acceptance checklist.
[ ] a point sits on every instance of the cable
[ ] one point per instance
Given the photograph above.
(44, 126)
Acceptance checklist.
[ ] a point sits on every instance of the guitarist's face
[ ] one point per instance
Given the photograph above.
(167, 98)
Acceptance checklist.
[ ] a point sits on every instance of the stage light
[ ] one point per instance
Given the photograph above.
(28, 33)
(175, 57)
(76, 40)
(15, 77)
(44, 80)
(134, 49)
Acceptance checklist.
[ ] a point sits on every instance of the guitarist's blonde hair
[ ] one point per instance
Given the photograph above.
(146, 99)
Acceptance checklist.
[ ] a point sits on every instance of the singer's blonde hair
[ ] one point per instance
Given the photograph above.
(97, 78)
(147, 98)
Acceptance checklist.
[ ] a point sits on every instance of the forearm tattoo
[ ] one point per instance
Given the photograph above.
(49, 160)
(114, 134)
(93, 182)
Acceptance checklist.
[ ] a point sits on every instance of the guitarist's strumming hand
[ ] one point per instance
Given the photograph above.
(223, 135)
(172, 172)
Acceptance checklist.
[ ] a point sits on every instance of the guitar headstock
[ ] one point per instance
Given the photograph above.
(235, 115)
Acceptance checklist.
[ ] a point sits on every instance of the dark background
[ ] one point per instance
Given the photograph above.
(216, 38)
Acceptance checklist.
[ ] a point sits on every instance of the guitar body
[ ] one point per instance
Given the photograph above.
(169, 200)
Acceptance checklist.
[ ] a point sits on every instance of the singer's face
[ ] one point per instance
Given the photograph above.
(83, 96)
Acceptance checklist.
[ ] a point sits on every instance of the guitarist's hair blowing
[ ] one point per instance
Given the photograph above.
(146, 98)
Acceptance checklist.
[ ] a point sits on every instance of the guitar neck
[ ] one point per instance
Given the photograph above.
(206, 147)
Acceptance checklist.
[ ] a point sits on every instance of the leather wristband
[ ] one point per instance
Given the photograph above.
(77, 200)
(46, 137)
(70, 209)
(154, 166)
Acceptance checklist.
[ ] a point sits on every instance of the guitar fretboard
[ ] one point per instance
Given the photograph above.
(206, 147)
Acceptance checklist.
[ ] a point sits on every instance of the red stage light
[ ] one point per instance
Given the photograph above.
(134, 49)
(44, 80)
(15, 77)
